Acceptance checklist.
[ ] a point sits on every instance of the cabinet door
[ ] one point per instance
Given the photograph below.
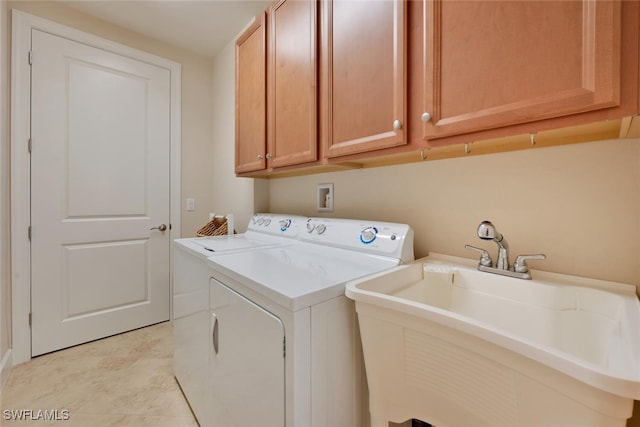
(251, 98)
(292, 92)
(363, 75)
(491, 64)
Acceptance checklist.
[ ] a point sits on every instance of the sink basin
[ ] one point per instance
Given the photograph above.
(456, 347)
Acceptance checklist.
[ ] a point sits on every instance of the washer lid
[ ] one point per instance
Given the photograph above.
(299, 275)
(263, 230)
(218, 245)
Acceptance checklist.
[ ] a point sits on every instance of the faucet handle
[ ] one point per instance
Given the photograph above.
(485, 258)
(520, 265)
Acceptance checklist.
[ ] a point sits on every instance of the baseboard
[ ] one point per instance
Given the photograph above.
(5, 368)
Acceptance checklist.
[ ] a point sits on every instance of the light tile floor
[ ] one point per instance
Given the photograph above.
(124, 380)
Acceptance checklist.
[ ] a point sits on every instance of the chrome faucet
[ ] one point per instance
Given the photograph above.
(486, 231)
(520, 270)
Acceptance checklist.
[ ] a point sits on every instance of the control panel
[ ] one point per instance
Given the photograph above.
(376, 237)
(275, 224)
(382, 238)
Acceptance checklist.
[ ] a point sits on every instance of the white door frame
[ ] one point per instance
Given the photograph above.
(22, 24)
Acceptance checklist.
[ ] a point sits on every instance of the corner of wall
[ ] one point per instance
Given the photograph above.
(240, 196)
(261, 195)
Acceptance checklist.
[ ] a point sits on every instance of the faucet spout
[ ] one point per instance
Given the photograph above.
(487, 231)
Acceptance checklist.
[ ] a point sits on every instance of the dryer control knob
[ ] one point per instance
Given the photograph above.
(267, 222)
(321, 228)
(368, 235)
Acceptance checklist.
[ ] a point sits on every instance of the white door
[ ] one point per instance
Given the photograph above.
(99, 184)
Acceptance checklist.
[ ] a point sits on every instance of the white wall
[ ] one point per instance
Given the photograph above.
(578, 204)
(241, 196)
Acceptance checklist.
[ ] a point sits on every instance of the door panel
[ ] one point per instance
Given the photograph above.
(502, 63)
(291, 93)
(364, 75)
(90, 286)
(95, 145)
(100, 182)
(251, 97)
(247, 362)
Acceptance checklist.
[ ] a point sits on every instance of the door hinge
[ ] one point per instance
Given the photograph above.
(29, 233)
(30, 317)
(29, 145)
(30, 57)
(284, 347)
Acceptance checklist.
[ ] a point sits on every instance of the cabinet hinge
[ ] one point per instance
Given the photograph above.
(30, 317)
(30, 57)
(29, 145)
(284, 347)
(29, 233)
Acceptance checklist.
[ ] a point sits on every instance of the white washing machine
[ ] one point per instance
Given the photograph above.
(285, 347)
(191, 297)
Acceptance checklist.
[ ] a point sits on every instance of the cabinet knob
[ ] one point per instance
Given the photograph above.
(260, 157)
(397, 124)
(269, 155)
(426, 117)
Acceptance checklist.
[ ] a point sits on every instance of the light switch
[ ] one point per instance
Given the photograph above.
(191, 205)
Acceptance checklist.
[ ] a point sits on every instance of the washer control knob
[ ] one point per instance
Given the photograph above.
(285, 224)
(368, 235)
(321, 228)
(267, 222)
(310, 226)
(260, 221)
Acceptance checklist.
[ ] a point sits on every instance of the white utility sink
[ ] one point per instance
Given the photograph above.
(456, 347)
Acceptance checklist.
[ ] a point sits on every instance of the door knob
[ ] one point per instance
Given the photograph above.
(161, 227)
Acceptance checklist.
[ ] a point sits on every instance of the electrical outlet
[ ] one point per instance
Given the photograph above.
(325, 197)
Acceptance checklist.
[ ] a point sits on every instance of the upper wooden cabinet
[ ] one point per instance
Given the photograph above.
(363, 75)
(276, 89)
(292, 83)
(251, 98)
(493, 64)
(343, 81)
